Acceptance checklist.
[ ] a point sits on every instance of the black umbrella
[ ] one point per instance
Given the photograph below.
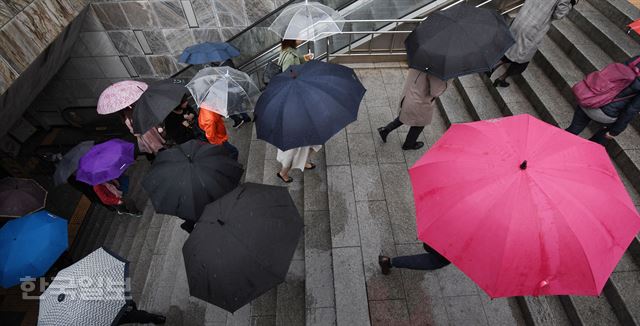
(242, 245)
(69, 163)
(20, 197)
(308, 104)
(156, 103)
(459, 41)
(187, 177)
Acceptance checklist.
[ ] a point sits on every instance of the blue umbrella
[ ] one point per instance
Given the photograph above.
(308, 104)
(208, 52)
(30, 245)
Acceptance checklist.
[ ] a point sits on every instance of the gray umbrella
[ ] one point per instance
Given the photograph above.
(69, 163)
(19, 197)
(92, 291)
(242, 245)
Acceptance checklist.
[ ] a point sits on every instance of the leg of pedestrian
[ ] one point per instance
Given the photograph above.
(410, 142)
(579, 122)
(384, 131)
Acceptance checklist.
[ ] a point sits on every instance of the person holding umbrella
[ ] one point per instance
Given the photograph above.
(150, 142)
(179, 123)
(429, 261)
(421, 89)
(529, 28)
(296, 158)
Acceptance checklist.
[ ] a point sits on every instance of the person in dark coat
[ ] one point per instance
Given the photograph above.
(613, 117)
(429, 261)
(179, 123)
(132, 315)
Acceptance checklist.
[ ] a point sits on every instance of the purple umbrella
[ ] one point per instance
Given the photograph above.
(104, 162)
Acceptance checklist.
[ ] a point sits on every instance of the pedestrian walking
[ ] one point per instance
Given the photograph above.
(112, 193)
(295, 158)
(613, 117)
(132, 315)
(529, 28)
(416, 106)
(429, 261)
(179, 123)
(150, 142)
(215, 132)
(241, 118)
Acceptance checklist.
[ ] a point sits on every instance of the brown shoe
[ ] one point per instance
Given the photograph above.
(385, 264)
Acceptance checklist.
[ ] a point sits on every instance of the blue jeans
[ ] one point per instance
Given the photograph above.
(419, 262)
(581, 120)
(233, 151)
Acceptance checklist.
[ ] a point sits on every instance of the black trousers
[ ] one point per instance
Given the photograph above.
(514, 67)
(581, 120)
(412, 136)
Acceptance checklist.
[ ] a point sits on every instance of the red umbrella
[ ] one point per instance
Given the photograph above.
(635, 26)
(523, 208)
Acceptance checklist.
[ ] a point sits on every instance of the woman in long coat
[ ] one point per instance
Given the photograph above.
(529, 28)
(295, 158)
(416, 106)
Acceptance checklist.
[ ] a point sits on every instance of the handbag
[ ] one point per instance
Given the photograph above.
(272, 70)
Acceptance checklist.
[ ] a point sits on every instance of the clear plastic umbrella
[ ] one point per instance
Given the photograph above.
(224, 90)
(308, 21)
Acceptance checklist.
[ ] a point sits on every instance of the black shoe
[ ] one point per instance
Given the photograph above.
(383, 133)
(247, 119)
(385, 264)
(187, 226)
(500, 83)
(158, 319)
(416, 145)
(238, 124)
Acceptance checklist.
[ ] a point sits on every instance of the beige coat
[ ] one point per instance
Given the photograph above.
(419, 98)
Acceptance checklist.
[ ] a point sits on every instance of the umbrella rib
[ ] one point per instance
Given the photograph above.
(543, 192)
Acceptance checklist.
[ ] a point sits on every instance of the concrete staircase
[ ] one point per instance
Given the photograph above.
(589, 39)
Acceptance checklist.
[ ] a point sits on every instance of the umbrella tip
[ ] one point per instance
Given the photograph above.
(220, 222)
(523, 165)
(61, 297)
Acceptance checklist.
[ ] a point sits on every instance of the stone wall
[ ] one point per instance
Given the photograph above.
(139, 40)
(36, 37)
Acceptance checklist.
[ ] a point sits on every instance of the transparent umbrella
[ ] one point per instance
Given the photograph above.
(308, 21)
(224, 90)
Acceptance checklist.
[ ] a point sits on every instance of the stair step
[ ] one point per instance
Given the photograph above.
(604, 32)
(116, 226)
(453, 107)
(476, 95)
(589, 310)
(581, 50)
(143, 265)
(99, 240)
(543, 311)
(511, 100)
(620, 12)
(622, 290)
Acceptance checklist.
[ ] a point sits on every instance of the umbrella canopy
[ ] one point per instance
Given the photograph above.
(634, 26)
(104, 162)
(69, 163)
(308, 104)
(20, 197)
(30, 245)
(155, 104)
(523, 208)
(307, 21)
(187, 177)
(242, 245)
(120, 95)
(208, 52)
(459, 41)
(92, 291)
(224, 90)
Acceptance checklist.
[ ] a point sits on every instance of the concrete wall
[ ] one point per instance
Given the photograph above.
(139, 40)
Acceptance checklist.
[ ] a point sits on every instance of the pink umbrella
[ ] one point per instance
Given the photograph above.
(120, 95)
(523, 208)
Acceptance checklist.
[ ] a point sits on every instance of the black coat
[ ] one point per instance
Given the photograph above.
(625, 110)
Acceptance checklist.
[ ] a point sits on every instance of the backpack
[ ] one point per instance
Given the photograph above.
(272, 70)
(600, 88)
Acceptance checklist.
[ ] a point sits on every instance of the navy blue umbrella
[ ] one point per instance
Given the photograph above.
(208, 52)
(308, 104)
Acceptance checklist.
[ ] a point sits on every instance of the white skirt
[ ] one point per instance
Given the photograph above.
(296, 158)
